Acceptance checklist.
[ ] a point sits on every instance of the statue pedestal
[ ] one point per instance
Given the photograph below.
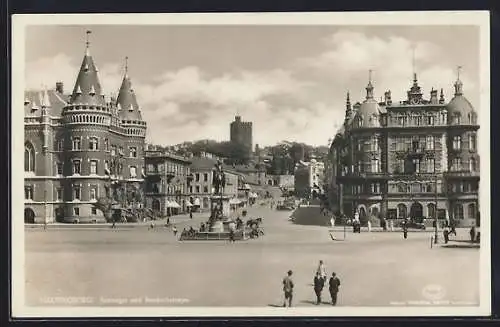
(217, 226)
(217, 201)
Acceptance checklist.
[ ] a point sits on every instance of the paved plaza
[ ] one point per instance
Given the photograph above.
(114, 266)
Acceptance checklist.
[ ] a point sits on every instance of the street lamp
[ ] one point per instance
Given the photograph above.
(435, 210)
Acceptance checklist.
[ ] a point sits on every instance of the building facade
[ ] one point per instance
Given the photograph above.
(415, 159)
(308, 178)
(241, 134)
(167, 181)
(71, 140)
(201, 188)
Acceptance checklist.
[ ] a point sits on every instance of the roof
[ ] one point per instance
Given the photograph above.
(127, 102)
(53, 100)
(87, 89)
(459, 103)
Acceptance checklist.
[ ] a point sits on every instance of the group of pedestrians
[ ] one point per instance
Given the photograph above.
(320, 279)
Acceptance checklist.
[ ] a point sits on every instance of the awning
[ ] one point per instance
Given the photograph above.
(174, 204)
(196, 202)
(234, 201)
(188, 204)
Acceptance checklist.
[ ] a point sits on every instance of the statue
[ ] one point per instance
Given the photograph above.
(219, 178)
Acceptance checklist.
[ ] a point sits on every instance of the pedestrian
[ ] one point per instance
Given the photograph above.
(319, 283)
(174, 230)
(231, 235)
(333, 287)
(391, 224)
(405, 231)
(369, 226)
(472, 233)
(168, 221)
(321, 270)
(190, 214)
(332, 221)
(288, 289)
(446, 234)
(152, 225)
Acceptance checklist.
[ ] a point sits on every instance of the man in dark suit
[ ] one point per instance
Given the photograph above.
(334, 285)
(319, 283)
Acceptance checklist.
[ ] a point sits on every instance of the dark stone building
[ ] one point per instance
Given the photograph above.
(70, 141)
(241, 135)
(415, 158)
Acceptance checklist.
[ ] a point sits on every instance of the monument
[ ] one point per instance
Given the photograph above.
(219, 209)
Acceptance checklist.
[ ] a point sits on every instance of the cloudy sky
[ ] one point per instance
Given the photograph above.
(290, 81)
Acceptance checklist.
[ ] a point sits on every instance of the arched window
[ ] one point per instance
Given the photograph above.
(29, 157)
(402, 214)
(458, 211)
(471, 210)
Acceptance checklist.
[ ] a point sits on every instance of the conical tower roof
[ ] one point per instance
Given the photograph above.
(127, 101)
(87, 89)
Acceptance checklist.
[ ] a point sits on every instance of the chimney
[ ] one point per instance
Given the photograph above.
(60, 87)
(434, 96)
(387, 97)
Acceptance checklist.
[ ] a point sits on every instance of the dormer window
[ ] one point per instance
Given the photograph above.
(92, 90)
(457, 119)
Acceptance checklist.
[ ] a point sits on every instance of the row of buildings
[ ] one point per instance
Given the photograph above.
(78, 142)
(416, 158)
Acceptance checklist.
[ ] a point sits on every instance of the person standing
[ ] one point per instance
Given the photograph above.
(405, 230)
(472, 233)
(369, 226)
(321, 270)
(288, 289)
(319, 283)
(333, 287)
(391, 224)
(446, 235)
(174, 230)
(190, 213)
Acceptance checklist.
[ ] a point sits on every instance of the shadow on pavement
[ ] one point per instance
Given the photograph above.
(275, 305)
(462, 246)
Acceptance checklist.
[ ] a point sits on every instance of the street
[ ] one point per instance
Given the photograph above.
(114, 266)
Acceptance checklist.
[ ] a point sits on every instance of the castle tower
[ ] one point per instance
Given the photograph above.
(131, 120)
(86, 118)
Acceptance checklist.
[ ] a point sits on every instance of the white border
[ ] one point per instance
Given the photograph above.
(19, 23)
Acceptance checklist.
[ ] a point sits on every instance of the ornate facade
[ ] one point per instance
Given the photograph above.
(415, 158)
(72, 144)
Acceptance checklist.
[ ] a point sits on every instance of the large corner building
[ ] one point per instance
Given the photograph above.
(70, 140)
(415, 158)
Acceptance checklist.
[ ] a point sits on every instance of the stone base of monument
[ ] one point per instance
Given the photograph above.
(239, 235)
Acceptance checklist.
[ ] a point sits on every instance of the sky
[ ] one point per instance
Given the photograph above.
(290, 81)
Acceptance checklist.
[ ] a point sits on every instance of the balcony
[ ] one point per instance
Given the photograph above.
(461, 174)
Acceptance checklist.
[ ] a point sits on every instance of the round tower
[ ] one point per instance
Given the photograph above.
(86, 119)
(463, 159)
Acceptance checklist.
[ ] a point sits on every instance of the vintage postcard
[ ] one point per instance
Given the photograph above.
(292, 164)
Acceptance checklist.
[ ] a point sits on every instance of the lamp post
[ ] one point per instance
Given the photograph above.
(435, 210)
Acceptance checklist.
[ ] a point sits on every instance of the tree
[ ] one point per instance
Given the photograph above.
(105, 204)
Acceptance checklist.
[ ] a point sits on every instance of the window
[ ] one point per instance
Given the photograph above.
(430, 120)
(106, 145)
(429, 142)
(472, 142)
(60, 145)
(374, 144)
(375, 166)
(77, 167)
(360, 145)
(400, 144)
(471, 210)
(76, 211)
(77, 193)
(133, 152)
(430, 165)
(458, 211)
(361, 168)
(375, 188)
(205, 189)
(457, 119)
(29, 158)
(456, 164)
(190, 189)
(400, 166)
(431, 210)
(457, 142)
(59, 168)
(401, 188)
(93, 167)
(197, 177)
(76, 143)
(28, 193)
(401, 211)
(93, 193)
(106, 167)
(133, 171)
(93, 211)
(197, 188)
(472, 164)
(113, 150)
(120, 150)
(416, 165)
(93, 144)
(59, 194)
(205, 177)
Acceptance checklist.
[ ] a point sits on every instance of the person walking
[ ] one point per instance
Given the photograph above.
(369, 226)
(472, 233)
(446, 235)
(288, 289)
(319, 283)
(405, 230)
(190, 214)
(321, 270)
(391, 224)
(174, 230)
(333, 287)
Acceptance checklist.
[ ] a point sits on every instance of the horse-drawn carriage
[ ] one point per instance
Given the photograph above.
(254, 226)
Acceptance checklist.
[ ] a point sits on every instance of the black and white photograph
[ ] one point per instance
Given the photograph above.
(264, 164)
